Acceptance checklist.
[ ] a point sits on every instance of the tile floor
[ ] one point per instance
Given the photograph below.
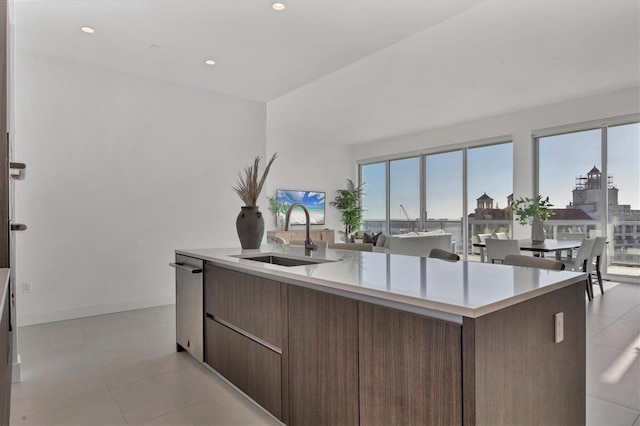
(122, 369)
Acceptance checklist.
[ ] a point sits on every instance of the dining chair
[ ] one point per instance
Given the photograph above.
(570, 236)
(533, 262)
(501, 236)
(596, 255)
(481, 239)
(582, 262)
(437, 253)
(498, 249)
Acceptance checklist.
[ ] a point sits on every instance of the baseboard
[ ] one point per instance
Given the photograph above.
(92, 310)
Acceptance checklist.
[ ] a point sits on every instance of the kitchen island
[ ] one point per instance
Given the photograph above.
(372, 338)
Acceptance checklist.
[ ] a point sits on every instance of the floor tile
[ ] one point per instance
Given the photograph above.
(39, 390)
(604, 413)
(155, 396)
(632, 315)
(621, 334)
(132, 367)
(98, 408)
(611, 306)
(613, 375)
(223, 409)
(596, 324)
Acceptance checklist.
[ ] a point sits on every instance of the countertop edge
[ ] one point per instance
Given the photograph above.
(441, 310)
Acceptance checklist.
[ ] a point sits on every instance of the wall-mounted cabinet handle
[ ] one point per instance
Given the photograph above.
(193, 270)
(16, 170)
(18, 227)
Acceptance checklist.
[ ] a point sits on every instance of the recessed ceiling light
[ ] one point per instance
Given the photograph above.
(210, 62)
(278, 6)
(87, 30)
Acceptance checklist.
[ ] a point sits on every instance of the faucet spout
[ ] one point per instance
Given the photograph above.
(308, 244)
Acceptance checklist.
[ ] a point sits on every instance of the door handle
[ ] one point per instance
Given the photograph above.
(193, 270)
(18, 227)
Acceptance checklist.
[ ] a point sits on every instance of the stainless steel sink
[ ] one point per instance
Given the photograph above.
(284, 261)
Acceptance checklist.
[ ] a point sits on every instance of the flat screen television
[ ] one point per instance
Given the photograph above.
(312, 200)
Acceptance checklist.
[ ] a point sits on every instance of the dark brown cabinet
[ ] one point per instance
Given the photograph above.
(253, 368)
(323, 358)
(410, 368)
(250, 303)
(310, 357)
(245, 331)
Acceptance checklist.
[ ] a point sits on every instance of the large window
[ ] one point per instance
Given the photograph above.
(404, 195)
(569, 172)
(592, 178)
(374, 200)
(443, 193)
(398, 200)
(490, 190)
(623, 182)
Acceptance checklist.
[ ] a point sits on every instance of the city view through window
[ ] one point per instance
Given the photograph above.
(570, 172)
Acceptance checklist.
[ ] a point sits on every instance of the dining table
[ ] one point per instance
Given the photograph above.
(540, 248)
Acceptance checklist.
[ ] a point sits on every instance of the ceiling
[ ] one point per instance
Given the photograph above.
(348, 71)
(260, 54)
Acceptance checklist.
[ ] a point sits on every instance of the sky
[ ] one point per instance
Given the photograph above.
(490, 170)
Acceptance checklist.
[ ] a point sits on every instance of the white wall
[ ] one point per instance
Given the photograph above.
(121, 170)
(519, 125)
(304, 166)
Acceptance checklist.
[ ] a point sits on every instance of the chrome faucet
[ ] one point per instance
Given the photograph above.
(308, 244)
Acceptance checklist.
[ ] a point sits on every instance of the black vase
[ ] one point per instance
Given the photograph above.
(250, 226)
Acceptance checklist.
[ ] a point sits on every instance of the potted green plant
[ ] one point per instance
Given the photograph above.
(533, 211)
(279, 209)
(348, 202)
(250, 223)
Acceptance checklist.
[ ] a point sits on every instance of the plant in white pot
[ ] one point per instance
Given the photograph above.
(349, 202)
(533, 211)
(250, 223)
(279, 209)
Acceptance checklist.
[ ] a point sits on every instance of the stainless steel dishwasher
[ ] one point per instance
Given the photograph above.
(189, 306)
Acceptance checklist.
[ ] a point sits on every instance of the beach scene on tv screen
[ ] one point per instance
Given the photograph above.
(313, 201)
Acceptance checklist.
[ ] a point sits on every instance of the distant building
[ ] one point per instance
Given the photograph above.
(624, 223)
(582, 215)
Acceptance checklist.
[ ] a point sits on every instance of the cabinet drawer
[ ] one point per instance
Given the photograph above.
(250, 303)
(253, 368)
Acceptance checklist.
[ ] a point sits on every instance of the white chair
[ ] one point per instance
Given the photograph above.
(582, 262)
(501, 236)
(570, 236)
(596, 255)
(533, 262)
(481, 239)
(498, 249)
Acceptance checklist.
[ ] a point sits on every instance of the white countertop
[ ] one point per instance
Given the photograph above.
(416, 284)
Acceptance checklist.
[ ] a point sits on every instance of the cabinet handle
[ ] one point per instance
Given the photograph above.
(192, 269)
